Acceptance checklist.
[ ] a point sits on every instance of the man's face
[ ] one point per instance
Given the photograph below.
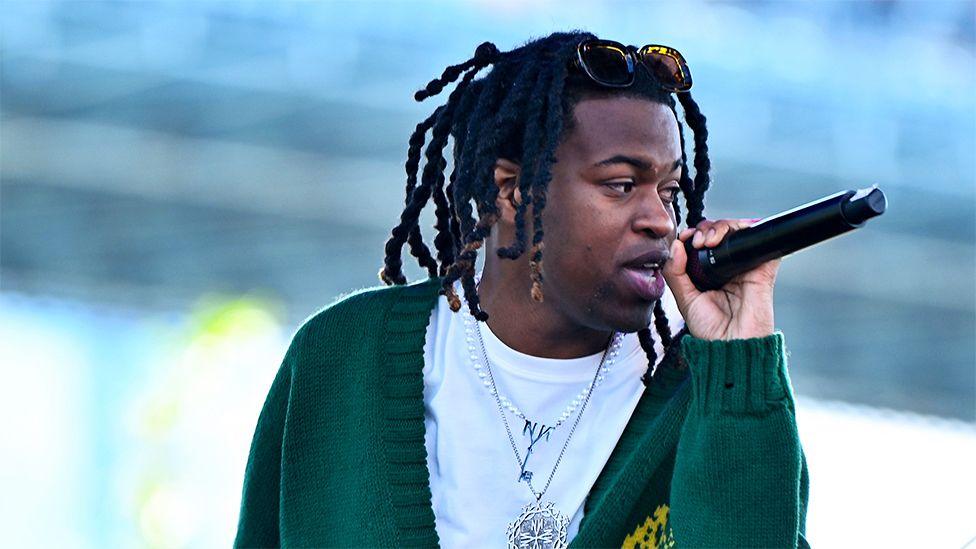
(609, 210)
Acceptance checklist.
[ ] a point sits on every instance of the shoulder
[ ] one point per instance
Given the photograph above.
(359, 317)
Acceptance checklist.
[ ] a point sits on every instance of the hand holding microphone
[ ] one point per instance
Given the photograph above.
(743, 309)
(740, 257)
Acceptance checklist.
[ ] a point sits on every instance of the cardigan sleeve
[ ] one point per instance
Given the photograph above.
(740, 476)
(259, 515)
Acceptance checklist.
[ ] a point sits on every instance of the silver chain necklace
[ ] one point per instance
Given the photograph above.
(534, 429)
(539, 525)
(531, 426)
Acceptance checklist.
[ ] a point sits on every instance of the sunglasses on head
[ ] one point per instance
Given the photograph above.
(612, 64)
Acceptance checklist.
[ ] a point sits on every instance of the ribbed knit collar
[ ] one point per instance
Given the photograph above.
(650, 435)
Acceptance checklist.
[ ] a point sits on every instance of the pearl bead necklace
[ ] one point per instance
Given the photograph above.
(470, 325)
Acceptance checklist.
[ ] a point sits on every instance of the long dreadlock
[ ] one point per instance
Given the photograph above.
(520, 110)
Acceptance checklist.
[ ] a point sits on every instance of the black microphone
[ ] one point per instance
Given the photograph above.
(782, 234)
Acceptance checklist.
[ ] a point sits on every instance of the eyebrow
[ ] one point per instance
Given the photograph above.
(633, 161)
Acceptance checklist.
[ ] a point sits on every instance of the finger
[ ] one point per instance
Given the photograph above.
(716, 234)
(704, 224)
(677, 279)
(698, 239)
(721, 228)
(718, 231)
(764, 273)
(772, 268)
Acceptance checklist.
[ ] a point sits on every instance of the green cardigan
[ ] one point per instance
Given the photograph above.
(709, 458)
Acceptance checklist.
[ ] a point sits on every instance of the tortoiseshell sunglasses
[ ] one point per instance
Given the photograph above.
(612, 64)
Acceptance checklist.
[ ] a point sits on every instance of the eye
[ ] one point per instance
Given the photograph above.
(672, 193)
(622, 186)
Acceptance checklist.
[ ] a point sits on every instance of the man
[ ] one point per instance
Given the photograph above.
(535, 415)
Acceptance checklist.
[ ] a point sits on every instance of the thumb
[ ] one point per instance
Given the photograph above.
(677, 279)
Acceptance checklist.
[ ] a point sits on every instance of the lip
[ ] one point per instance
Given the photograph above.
(648, 284)
(652, 256)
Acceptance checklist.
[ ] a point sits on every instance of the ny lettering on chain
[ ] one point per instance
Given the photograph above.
(536, 431)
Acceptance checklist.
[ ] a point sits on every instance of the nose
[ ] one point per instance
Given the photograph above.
(653, 216)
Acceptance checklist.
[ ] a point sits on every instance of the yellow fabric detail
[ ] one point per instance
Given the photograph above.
(653, 533)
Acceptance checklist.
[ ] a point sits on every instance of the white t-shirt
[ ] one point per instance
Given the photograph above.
(473, 470)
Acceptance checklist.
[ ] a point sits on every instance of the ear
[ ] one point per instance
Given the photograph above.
(509, 197)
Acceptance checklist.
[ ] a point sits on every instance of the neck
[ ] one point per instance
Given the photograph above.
(530, 327)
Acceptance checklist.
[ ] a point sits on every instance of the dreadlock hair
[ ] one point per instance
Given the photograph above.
(520, 110)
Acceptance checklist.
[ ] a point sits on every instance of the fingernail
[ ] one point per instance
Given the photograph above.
(711, 234)
(697, 240)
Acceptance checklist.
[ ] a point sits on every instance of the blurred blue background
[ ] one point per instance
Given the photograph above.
(184, 182)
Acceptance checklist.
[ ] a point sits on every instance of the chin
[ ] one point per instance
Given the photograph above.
(611, 309)
(628, 319)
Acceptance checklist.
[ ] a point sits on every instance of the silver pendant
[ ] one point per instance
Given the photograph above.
(535, 431)
(539, 527)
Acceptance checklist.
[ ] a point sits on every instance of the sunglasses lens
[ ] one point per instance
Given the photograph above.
(607, 64)
(668, 67)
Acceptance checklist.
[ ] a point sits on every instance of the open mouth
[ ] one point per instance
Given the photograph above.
(646, 280)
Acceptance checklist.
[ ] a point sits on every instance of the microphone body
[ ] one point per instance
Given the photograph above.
(782, 234)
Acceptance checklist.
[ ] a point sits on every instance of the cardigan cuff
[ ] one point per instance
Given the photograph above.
(744, 376)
